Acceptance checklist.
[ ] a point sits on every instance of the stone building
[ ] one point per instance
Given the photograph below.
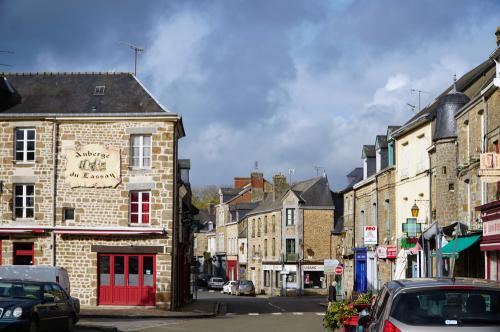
(89, 167)
(289, 238)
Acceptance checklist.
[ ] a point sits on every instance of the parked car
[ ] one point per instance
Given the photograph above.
(436, 304)
(37, 273)
(226, 289)
(36, 307)
(243, 287)
(203, 279)
(216, 283)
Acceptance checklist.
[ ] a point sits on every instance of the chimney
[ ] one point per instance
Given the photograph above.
(497, 33)
(241, 182)
(279, 186)
(257, 184)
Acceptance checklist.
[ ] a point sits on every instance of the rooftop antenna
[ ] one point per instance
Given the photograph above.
(8, 52)
(291, 171)
(419, 93)
(411, 106)
(319, 168)
(454, 89)
(256, 165)
(136, 49)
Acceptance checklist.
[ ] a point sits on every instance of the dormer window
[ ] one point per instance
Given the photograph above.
(99, 90)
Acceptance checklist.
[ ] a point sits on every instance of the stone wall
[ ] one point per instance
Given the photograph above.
(365, 212)
(317, 234)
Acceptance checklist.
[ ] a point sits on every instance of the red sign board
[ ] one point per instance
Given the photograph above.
(392, 252)
(338, 270)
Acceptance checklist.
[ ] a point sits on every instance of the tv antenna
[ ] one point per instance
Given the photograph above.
(8, 52)
(411, 106)
(319, 168)
(137, 50)
(291, 171)
(419, 93)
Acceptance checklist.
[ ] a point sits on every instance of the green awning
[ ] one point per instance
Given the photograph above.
(462, 243)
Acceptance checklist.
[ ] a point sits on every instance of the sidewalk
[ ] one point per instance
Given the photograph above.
(195, 309)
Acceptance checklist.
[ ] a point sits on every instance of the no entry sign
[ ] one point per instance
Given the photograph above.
(339, 269)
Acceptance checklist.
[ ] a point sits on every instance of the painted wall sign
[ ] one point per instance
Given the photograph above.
(313, 268)
(392, 252)
(330, 265)
(491, 228)
(93, 166)
(489, 167)
(381, 252)
(370, 233)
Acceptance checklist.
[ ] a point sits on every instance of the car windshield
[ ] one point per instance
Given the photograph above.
(217, 280)
(448, 307)
(245, 283)
(20, 290)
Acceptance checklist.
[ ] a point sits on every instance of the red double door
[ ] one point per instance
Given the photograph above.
(127, 279)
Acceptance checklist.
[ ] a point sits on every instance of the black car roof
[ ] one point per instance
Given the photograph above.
(397, 285)
(27, 281)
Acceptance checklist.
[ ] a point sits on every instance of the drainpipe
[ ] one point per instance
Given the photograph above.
(54, 191)
(484, 147)
(428, 254)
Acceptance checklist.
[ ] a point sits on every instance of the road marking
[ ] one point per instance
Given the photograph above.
(253, 314)
(231, 314)
(298, 313)
(277, 313)
(211, 291)
(275, 306)
(320, 313)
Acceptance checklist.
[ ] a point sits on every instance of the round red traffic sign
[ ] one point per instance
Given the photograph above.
(338, 270)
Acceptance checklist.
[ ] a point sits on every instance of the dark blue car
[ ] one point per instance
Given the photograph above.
(36, 306)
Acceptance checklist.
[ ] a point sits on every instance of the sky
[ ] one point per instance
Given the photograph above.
(290, 84)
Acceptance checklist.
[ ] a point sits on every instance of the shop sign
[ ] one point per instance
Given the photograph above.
(338, 270)
(381, 252)
(491, 228)
(271, 267)
(392, 252)
(313, 268)
(92, 166)
(330, 265)
(408, 242)
(489, 167)
(370, 233)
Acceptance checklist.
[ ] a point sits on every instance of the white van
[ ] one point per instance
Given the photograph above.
(37, 273)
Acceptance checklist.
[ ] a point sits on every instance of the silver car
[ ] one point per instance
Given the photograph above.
(243, 287)
(215, 283)
(436, 304)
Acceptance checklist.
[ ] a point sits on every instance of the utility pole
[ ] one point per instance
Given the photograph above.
(136, 49)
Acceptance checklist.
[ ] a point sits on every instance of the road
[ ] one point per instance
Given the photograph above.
(239, 314)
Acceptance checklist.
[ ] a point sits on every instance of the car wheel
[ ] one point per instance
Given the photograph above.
(70, 326)
(33, 325)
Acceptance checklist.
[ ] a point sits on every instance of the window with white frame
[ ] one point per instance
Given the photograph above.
(140, 207)
(24, 201)
(25, 144)
(141, 151)
(290, 217)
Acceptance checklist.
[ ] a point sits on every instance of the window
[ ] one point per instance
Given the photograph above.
(258, 227)
(273, 218)
(69, 214)
(99, 90)
(140, 207)
(253, 228)
(314, 279)
(443, 170)
(290, 246)
(267, 278)
(290, 216)
(24, 201)
(451, 187)
(253, 250)
(25, 145)
(274, 247)
(277, 279)
(24, 253)
(265, 248)
(141, 151)
(265, 225)
(291, 277)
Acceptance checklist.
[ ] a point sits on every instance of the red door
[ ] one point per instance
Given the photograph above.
(127, 279)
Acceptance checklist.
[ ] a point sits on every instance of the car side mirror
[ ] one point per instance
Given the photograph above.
(48, 298)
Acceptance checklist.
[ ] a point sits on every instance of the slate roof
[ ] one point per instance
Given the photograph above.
(448, 107)
(368, 151)
(314, 192)
(381, 141)
(73, 94)
(354, 177)
(8, 94)
(462, 84)
(391, 129)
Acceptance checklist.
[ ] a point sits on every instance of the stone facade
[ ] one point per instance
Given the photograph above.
(366, 208)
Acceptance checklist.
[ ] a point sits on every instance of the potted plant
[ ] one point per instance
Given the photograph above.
(337, 315)
(363, 301)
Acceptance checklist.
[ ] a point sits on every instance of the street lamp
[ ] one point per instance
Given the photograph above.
(414, 210)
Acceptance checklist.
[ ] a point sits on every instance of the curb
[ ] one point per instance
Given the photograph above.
(84, 327)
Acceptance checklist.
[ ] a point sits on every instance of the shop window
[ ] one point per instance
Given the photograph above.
(24, 253)
(69, 214)
(25, 145)
(314, 279)
(24, 201)
(290, 217)
(140, 207)
(277, 279)
(147, 267)
(267, 278)
(104, 270)
(141, 151)
(291, 277)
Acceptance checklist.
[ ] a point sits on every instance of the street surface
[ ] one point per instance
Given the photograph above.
(237, 314)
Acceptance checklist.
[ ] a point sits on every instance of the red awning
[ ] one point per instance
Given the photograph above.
(17, 230)
(87, 231)
(490, 246)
